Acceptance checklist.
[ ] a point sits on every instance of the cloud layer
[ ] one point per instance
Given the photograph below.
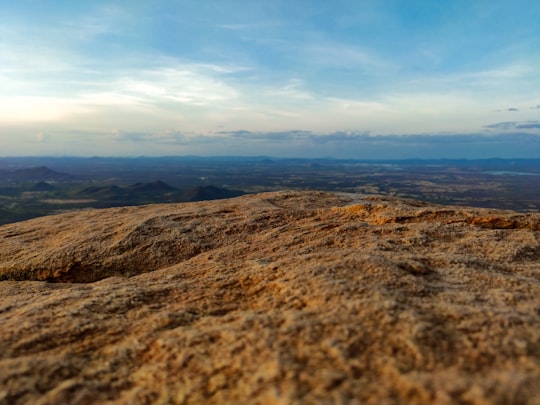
(349, 145)
(282, 71)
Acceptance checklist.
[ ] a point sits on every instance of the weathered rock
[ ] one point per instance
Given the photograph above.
(277, 298)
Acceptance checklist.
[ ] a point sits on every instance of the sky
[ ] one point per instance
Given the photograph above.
(367, 79)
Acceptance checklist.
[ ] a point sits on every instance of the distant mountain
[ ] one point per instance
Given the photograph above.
(158, 188)
(203, 193)
(153, 187)
(101, 192)
(42, 173)
(42, 186)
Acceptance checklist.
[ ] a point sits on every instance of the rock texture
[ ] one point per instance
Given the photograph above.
(277, 298)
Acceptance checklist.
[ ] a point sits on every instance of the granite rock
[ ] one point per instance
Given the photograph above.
(275, 298)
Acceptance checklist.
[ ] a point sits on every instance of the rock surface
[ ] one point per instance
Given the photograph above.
(276, 298)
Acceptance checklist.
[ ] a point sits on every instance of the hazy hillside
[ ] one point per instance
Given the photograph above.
(41, 173)
(275, 298)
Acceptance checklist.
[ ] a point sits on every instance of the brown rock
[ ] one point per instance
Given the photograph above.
(276, 298)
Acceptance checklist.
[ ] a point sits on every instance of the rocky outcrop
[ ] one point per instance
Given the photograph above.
(276, 298)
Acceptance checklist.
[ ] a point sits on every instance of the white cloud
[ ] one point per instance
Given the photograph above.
(336, 54)
(267, 73)
(294, 90)
(500, 81)
(42, 137)
(26, 109)
(183, 85)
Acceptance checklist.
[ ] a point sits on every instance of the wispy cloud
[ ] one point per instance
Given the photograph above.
(513, 125)
(175, 74)
(362, 145)
(510, 77)
(194, 85)
(168, 137)
(28, 109)
(529, 125)
(329, 54)
(294, 89)
(42, 137)
(182, 85)
(251, 26)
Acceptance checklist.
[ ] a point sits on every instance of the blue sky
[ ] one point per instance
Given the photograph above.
(366, 79)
